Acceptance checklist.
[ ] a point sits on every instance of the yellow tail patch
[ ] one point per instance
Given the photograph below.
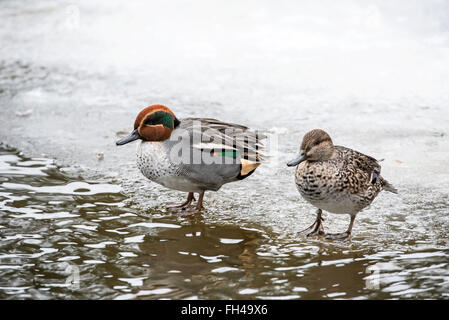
(248, 166)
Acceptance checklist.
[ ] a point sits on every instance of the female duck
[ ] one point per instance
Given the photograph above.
(193, 154)
(335, 179)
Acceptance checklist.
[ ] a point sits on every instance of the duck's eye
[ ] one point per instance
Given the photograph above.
(151, 120)
(316, 143)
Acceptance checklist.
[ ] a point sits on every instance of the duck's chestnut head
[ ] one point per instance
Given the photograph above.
(154, 123)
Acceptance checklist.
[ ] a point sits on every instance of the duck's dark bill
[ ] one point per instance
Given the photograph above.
(299, 158)
(133, 136)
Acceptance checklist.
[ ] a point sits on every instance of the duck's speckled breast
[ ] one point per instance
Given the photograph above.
(315, 181)
(154, 163)
(322, 184)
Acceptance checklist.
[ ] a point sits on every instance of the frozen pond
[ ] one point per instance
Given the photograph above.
(376, 77)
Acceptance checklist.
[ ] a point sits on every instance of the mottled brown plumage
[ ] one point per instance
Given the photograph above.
(336, 179)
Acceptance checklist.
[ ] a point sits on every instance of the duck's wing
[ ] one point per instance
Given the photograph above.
(364, 168)
(226, 139)
(228, 151)
(358, 161)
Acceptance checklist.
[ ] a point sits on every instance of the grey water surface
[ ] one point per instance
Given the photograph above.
(77, 219)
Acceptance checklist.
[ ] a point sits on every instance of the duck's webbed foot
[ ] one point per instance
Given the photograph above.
(317, 228)
(344, 235)
(190, 199)
(338, 236)
(187, 210)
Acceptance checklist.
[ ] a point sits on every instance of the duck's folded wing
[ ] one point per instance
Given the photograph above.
(364, 169)
(363, 166)
(225, 139)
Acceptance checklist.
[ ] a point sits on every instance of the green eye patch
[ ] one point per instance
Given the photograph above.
(160, 117)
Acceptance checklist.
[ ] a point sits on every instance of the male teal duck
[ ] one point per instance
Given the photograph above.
(335, 179)
(193, 155)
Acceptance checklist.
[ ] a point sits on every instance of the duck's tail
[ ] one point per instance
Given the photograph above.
(388, 186)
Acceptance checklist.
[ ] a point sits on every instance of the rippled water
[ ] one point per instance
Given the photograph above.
(64, 237)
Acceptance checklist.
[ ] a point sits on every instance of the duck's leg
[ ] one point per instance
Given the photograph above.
(317, 227)
(198, 207)
(344, 235)
(199, 204)
(185, 204)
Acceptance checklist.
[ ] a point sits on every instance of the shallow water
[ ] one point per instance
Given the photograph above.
(73, 76)
(65, 237)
